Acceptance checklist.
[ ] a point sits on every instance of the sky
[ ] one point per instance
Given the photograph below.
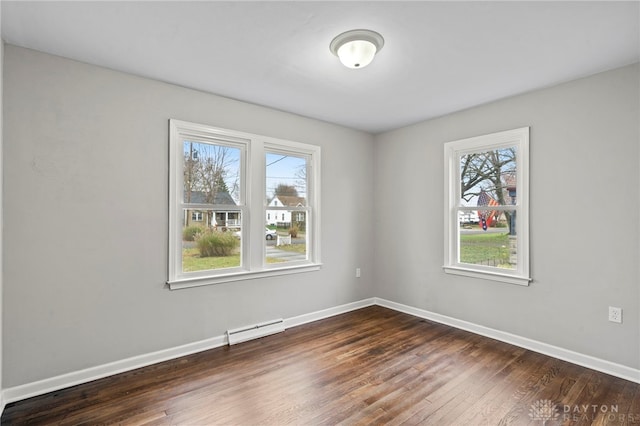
(285, 169)
(280, 168)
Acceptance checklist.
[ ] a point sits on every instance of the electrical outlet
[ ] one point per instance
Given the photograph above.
(615, 314)
(357, 272)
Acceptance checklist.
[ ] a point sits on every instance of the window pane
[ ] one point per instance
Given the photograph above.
(211, 173)
(488, 178)
(489, 242)
(287, 243)
(286, 184)
(211, 239)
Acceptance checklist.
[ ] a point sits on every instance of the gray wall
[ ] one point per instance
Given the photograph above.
(86, 193)
(584, 217)
(85, 204)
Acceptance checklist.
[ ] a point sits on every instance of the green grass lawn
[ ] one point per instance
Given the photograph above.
(191, 261)
(485, 249)
(296, 248)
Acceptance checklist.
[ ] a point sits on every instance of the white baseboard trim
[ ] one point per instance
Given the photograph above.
(588, 361)
(326, 313)
(18, 393)
(41, 387)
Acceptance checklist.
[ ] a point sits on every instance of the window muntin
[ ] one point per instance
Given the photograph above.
(217, 177)
(487, 179)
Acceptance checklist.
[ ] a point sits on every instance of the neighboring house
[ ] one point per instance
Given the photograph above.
(286, 218)
(510, 185)
(212, 218)
(468, 217)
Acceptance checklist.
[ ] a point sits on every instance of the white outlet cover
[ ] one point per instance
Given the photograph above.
(615, 314)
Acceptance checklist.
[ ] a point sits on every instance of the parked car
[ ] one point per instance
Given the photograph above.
(271, 233)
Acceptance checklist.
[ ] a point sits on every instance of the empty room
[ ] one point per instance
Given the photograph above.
(274, 213)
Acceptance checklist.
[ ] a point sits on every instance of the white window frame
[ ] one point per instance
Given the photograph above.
(252, 204)
(453, 151)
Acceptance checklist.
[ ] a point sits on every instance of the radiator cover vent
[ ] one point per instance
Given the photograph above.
(251, 332)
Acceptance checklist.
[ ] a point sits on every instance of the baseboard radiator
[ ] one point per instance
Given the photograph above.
(251, 332)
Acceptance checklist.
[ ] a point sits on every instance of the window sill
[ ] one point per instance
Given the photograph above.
(487, 275)
(241, 276)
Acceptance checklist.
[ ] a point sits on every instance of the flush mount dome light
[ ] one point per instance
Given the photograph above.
(356, 48)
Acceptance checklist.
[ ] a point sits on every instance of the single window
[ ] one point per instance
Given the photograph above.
(217, 177)
(487, 206)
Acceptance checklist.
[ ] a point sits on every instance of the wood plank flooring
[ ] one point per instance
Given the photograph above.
(370, 366)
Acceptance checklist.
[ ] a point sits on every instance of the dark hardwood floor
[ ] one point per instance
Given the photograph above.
(370, 366)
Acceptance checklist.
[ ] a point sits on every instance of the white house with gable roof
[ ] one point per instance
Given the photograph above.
(280, 216)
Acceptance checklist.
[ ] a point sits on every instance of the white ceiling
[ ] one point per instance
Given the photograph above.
(438, 57)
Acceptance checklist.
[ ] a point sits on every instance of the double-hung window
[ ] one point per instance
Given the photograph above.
(240, 205)
(487, 206)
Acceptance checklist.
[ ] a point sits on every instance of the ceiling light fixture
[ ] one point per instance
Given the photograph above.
(356, 48)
